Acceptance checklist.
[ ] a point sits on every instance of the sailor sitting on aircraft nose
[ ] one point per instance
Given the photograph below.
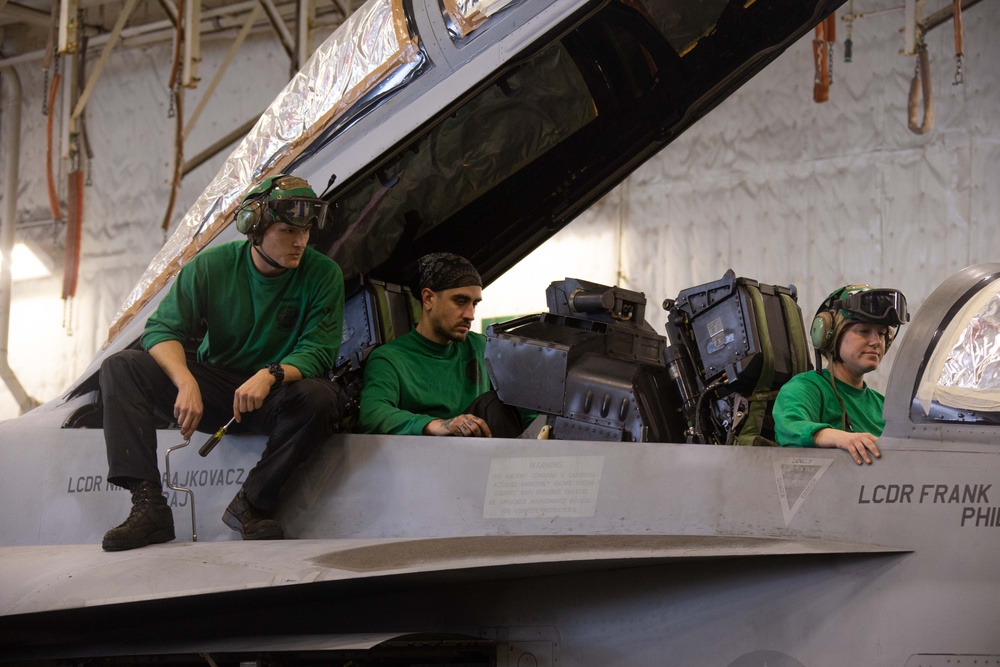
(274, 310)
(834, 407)
(433, 380)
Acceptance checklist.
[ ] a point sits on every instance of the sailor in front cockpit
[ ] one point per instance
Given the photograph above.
(834, 407)
(433, 381)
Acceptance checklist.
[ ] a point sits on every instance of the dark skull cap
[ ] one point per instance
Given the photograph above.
(444, 270)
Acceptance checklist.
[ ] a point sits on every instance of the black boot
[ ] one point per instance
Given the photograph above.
(149, 522)
(250, 522)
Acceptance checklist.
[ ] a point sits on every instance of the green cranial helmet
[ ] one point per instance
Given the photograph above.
(282, 186)
(281, 198)
(857, 303)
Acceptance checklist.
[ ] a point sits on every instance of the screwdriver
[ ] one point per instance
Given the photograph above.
(214, 440)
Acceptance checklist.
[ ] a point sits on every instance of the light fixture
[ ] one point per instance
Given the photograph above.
(30, 261)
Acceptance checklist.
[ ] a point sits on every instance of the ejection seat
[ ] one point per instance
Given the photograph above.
(739, 341)
(375, 313)
(599, 372)
(592, 366)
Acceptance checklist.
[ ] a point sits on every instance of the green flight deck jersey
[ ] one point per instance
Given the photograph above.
(412, 381)
(253, 320)
(807, 404)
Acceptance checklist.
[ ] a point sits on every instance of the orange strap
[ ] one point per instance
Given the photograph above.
(74, 228)
(826, 31)
(921, 83)
(959, 37)
(49, 174)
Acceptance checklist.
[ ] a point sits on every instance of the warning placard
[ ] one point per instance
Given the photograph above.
(541, 487)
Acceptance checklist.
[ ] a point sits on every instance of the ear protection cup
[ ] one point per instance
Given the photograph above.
(251, 218)
(821, 331)
(248, 216)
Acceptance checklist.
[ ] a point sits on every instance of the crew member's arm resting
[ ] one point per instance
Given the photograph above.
(462, 425)
(172, 323)
(380, 400)
(250, 395)
(803, 416)
(188, 408)
(861, 446)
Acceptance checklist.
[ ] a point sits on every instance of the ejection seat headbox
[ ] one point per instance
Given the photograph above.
(745, 333)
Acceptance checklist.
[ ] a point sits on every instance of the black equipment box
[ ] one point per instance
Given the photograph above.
(592, 364)
(737, 324)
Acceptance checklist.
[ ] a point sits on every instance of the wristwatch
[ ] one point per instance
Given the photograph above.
(278, 372)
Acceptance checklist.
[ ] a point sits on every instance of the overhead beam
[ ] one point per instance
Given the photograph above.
(170, 9)
(220, 19)
(913, 15)
(255, 14)
(21, 14)
(102, 61)
(284, 36)
(306, 19)
(69, 26)
(191, 55)
(943, 15)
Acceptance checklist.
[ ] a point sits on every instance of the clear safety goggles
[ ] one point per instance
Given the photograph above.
(878, 306)
(299, 211)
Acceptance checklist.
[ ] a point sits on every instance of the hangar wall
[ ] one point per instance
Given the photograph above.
(132, 138)
(777, 187)
(784, 190)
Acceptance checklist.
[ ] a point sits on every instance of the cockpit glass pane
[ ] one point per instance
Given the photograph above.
(506, 126)
(683, 23)
(961, 382)
(466, 16)
(974, 361)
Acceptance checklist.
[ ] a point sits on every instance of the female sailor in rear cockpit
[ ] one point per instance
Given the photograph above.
(834, 407)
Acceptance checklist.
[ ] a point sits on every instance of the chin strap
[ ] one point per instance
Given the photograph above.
(845, 421)
(267, 259)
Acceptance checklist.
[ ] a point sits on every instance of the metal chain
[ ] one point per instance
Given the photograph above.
(45, 92)
(829, 60)
(171, 111)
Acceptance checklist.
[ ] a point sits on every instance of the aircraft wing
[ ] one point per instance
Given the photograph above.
(84, 576)
(59, 601)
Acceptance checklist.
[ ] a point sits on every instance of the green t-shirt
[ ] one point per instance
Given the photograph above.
(412, 381)
(807, 404)
(253, 320)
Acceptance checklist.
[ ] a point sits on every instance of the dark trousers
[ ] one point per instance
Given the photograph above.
(504, 421)
(138, 396)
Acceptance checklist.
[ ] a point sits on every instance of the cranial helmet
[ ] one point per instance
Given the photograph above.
(281, 198)
(856, 303)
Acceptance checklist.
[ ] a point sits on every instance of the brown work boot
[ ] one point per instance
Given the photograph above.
(250, 522)
(149, 522)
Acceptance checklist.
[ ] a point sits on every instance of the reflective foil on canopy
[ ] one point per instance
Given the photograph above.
(965, 373)
(467, 15)
(372, 46)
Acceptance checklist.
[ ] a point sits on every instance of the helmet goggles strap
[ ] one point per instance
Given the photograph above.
(299, 211)
(876, 306)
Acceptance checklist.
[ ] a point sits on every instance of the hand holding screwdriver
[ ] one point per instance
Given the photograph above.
(214, 440)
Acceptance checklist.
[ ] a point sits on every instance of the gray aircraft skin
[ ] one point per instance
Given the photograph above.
(438, 551)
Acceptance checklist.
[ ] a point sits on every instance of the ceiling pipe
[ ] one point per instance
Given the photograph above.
(226, 19)
(7, 228)
(946, 14)
(284, 36)
(16, 13)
